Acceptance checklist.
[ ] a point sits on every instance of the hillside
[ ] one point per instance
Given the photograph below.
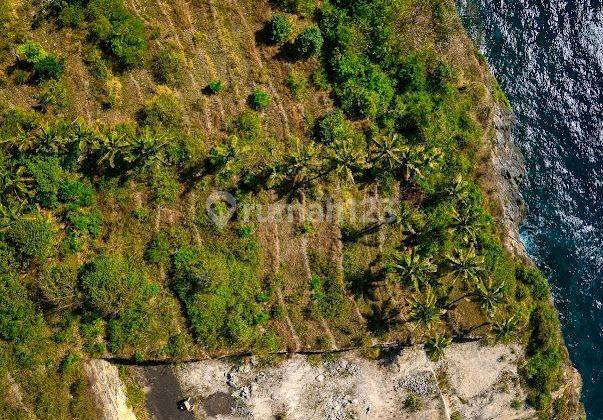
(355, 138)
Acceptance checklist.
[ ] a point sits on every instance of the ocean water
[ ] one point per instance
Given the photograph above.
(548, 57)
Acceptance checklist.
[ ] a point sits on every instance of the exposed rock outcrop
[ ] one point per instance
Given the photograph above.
(108, 390)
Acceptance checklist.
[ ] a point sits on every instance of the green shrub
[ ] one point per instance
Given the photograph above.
(75, 193)
(19, 321)
(164, 186)
(308, 43)
(84, 221)
(158, 250)
(54, 94)
(59, 285)
(331, 128)
(413, 403)
(32, 237)
(248, 127)
(166, 66)
(120, 34)
(327, 297)
(279, 29)
(47, 174)
(220, 294)
(297, 84)
(259, 100)
(214, 87)
(48, 67)
(72, 15)
(164, 109)
(114, 287)
(533, 277)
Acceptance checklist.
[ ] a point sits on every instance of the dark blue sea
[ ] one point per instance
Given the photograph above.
(548, 57)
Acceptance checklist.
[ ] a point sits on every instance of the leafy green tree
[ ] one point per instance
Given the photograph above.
(279, 29)
(308, 43)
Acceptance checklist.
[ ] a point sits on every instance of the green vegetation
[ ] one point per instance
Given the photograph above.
(308, 43)
(259, 100)
(214, 87)
(279, 29)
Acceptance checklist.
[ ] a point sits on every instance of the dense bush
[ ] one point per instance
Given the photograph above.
(220, 294)
(163, 109)
(279, 29)
(259, 100)
(214, 87)
(166, 66)
(44, 66)
(533, 277)
(32, 237)
(120, 34)
(19, 320)
(308, 43)
(47, 174)
(112, 286)
(331, 128)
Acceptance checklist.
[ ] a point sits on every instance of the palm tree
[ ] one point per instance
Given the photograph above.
(504, 329)
(111, 146)
(424, 310)
(416, 159)
(14, 181)
(9, 213)
(489, 295)
(413, 269)
(458, 189)
(435, 346)
(223, 156)
(302, 163)
(466, 222)
(389, 153)
(147, 148)
(384, 315)
(345, 160)
(465, 264)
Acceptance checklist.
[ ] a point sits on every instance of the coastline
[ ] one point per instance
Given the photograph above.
(508, 163)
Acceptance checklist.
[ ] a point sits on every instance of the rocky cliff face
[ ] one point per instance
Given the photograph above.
(509, 166)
